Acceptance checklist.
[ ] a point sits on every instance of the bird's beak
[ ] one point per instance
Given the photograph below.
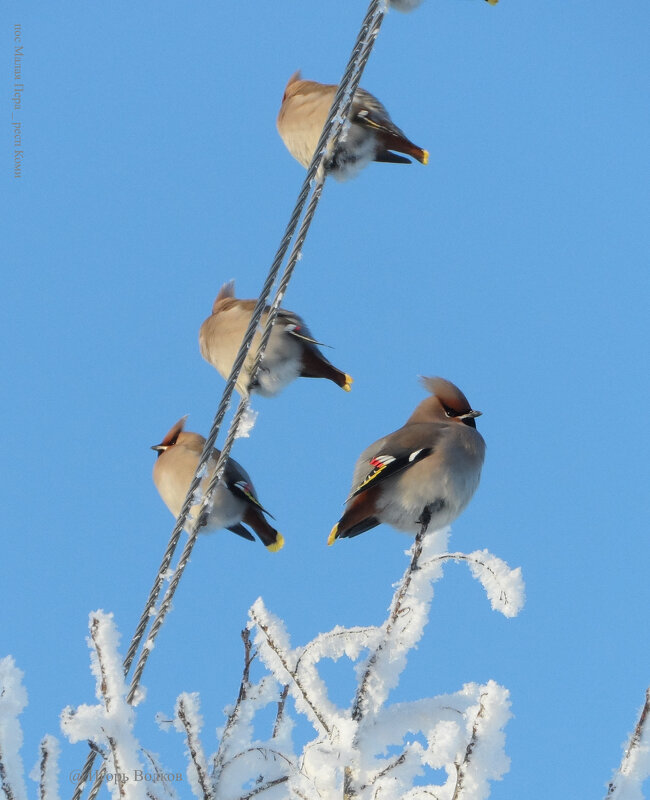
(159, 448)
(470, 415)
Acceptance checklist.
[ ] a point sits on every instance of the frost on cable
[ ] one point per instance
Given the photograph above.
(635, 766)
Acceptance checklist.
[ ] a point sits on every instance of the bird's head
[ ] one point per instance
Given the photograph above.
(174, 436)
(447, 403)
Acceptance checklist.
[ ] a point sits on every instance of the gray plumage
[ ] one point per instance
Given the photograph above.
(234, 500)
(432, 463)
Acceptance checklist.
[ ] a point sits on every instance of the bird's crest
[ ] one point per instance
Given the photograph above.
(172, 435)
(226, 292)
(297, 76)
(449, 395)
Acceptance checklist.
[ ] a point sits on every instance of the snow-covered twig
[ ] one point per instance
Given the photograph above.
(260, 617)
(187, 713)
(13, 699)
(108, 725)
(234, 715)
(47, 770)
(361, 699)
(635, 764)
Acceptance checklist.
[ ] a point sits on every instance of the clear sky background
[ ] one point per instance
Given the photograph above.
(515, 264)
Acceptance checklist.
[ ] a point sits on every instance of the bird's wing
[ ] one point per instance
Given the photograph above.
(383, 465)
(239, 483)
(396, 452)
(370, 113)
(295, 326)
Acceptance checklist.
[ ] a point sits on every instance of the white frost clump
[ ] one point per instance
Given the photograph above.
(110, 723)
(503, 586)
(13, 699)
(246, 423)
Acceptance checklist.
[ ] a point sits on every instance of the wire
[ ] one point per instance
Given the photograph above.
(314, 182)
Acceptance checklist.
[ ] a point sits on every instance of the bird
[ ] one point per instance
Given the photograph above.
(234, 500)
(409, 5)
(423, 473)
(372, 136)
(291, 352)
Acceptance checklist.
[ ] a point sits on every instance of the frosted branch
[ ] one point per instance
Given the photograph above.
(13, 699)
(635, 765)
(46, 771)
(281, 660)
(189, 718)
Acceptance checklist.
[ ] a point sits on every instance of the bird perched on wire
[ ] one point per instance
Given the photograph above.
(291, 352)
(425, 472)
(409, 5)
(371, 135)
(234, 500)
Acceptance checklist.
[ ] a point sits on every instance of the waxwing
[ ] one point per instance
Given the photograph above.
(291, 352)
(427, 470)
(234, 500)
(409, 5)
(371, 135)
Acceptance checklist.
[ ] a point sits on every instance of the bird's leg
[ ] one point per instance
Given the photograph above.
(425, 518)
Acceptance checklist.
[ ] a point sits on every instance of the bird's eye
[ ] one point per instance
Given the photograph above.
(449, 412)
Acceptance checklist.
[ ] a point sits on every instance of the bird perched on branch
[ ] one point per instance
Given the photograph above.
(371, 135)
(409, 5)
(427, 471)
(291, 352)
(234, 500)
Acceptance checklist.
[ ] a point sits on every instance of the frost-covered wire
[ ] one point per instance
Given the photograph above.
(313, 182)
(635, 765)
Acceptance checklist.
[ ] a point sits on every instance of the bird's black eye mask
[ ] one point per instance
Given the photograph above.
(450, 412)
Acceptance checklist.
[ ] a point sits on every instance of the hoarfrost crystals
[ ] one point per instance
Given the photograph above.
(13, 699)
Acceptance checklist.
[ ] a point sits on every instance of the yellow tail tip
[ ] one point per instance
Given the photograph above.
(349, 380)
(332, 537)
(425, 153)
(278, 544)
(493, 2)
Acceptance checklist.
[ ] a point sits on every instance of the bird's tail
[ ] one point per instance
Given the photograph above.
(315, 365)
(399, 143)
(271, 539)
(359, 516)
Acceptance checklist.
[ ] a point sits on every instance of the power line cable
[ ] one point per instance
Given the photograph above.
(314, 182)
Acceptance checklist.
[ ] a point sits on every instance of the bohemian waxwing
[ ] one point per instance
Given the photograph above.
(427, 470)
(371, 135)
(409, 5)
(291, 351)
(234, 500)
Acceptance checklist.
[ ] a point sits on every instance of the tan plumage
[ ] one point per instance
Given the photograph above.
(431, 465)
(291, 352)
(372, 135)
(234, 500)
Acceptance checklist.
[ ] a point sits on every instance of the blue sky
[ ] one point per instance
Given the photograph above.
(515, 264)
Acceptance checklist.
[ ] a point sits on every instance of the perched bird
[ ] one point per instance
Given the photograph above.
(234, 500)
(427, 471)
(409, 5)
(291, 352)
(371, 135)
